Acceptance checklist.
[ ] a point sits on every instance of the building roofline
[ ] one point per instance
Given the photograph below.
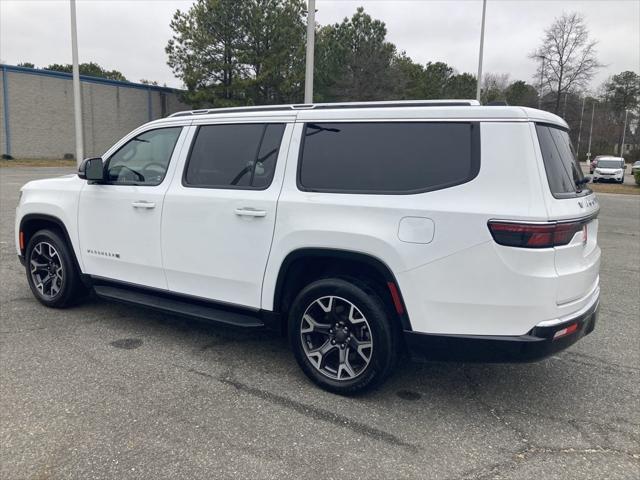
(85, 78)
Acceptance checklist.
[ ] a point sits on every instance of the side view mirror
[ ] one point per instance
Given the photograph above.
(92, 169)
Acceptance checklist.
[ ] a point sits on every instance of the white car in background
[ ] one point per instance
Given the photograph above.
(609, 168)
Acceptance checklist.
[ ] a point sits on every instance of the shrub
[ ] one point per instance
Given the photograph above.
(637, 176)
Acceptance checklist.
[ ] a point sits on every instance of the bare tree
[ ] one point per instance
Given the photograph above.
(568, 56)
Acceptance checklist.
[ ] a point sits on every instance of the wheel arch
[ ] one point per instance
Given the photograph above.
(33, 222)
(307, 264)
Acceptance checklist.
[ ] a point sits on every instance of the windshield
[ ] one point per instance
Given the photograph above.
(563, 172)
(609, 164)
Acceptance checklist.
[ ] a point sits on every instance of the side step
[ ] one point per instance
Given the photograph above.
(179, 306)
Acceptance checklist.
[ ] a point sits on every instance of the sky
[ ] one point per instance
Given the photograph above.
(130, 35)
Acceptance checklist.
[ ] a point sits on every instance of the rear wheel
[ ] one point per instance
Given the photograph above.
(51, 271)
(341, 335)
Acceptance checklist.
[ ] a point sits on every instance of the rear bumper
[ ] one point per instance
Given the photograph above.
(542, 341)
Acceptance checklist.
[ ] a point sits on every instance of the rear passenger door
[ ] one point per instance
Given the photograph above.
(219, 214)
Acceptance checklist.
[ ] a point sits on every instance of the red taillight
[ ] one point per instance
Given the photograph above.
(530, 235)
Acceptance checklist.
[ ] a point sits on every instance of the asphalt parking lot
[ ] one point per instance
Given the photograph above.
(111, 391)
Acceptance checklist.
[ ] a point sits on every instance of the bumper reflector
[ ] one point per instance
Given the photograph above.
(565, 331)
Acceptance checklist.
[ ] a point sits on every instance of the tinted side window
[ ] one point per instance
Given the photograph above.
(266, 161)
(144, 159)
(234, 155)
(559, 160)
(398, 157)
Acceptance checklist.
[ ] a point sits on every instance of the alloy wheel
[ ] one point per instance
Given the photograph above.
(46, 269)
(336, 338)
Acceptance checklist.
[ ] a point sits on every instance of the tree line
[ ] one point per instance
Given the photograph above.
(90, 68)
(230, 53)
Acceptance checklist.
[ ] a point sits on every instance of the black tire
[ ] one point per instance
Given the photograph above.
(69, 286)
(381, 334)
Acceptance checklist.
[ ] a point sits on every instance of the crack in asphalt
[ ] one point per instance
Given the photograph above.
(594, 361)
(530, 450)
(52, 327)
(490, 471)
(602, 429)
(618, 232)
(475, 391)
(26, 298)
(310, 411)
(618, 270)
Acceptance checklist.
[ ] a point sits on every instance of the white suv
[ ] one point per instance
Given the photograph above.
(445, 229)
(609, 168)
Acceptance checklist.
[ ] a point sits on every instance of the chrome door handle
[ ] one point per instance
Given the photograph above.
(143, 204)
(250, 212)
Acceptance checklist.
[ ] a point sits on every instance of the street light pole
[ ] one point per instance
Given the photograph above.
(77, 99)
(541, 76)
(593, 108)
(624, 130)
(479, 78)
(584, 100)
(311, 34)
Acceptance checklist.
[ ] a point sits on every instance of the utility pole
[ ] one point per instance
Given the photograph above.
(311, 38)
(541, 77)
(593, 108)
(584, 100)
(624, 130)
(77, 98)
(479, 81)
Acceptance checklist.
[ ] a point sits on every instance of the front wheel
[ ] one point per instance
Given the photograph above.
(51, 271)
(341, 335)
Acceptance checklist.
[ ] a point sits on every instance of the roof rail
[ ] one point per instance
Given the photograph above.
(331, 106)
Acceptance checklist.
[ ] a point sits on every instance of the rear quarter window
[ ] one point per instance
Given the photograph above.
(562, 168)
(388, 157)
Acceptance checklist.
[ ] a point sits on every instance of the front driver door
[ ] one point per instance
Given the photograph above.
(119, 219)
